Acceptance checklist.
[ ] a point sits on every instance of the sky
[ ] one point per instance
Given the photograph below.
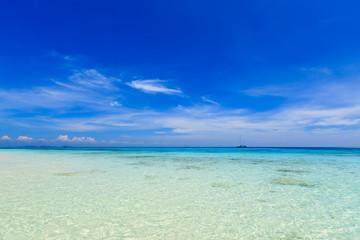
(175, 73)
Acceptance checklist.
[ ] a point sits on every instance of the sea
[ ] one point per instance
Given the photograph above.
(180, 193)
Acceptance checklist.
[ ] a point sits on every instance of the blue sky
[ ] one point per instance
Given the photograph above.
(171, 73)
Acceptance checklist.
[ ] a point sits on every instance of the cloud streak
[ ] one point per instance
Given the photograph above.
(153, 86)
(92, 79)
(208, 100)
(86, 88)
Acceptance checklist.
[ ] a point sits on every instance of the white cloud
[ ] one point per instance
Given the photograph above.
(64, 138)
(83, 139)
(115, 104)
(59, 141)
(78, 139)
(210, 118)
(61, 56)
(207, 99)
(285, 90)
(5, 138)
(326, 130)
(69, 58)
(198, 119)
(90, 139)
(200, 110)
(122, 119)
(24, 138)
(337, 122)
(91, 78)
(87, 88)
(160, 132)
(153, 86)
(325, 94)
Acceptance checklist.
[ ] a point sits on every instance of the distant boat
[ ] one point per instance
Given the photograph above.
(241, 145)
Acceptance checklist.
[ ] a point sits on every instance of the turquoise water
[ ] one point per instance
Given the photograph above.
(180, 193)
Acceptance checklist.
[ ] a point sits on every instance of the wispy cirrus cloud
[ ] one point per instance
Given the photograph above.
(195, 119)
(208, 100)
(92, 79)
(153, 86)
(284, 90)
(324, 94)
(86, 88)
(62, 56)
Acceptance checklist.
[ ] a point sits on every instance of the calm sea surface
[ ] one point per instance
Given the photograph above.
(180, 193)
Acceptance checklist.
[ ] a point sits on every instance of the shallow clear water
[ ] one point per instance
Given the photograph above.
(187, 193)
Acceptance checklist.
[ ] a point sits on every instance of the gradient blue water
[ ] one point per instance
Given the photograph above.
(180, 193)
